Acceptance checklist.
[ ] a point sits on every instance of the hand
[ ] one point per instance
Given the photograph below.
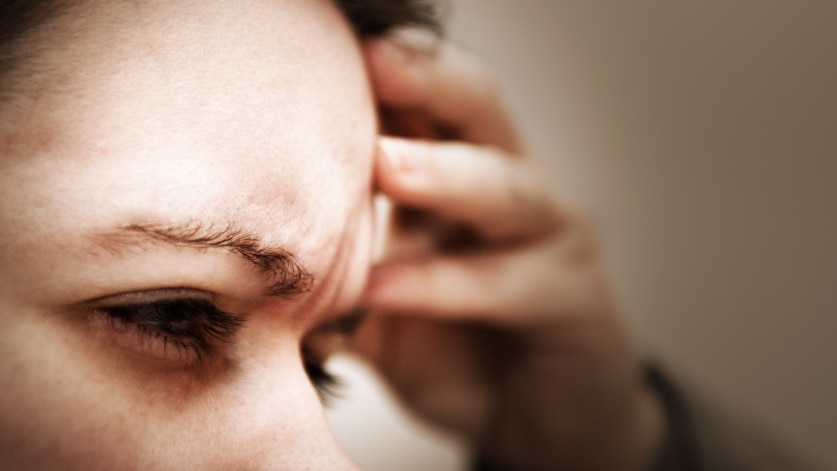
(491, 315)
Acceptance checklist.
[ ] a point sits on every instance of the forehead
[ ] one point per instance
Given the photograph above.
(151, 68)
(194, 49)
(253, 109)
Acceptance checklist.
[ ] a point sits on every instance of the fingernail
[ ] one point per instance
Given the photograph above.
(397, 52)
(416, 40)
(406, 45)
(404, 155)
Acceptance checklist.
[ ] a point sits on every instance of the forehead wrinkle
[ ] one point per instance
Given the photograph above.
(287, 273)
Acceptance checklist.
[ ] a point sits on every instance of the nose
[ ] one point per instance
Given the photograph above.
(270, 416)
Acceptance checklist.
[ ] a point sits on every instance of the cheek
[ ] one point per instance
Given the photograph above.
(66, 403)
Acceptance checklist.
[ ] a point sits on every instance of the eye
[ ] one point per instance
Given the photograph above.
(326, 384)
(183, 330)
(319, 344)
(186, 328)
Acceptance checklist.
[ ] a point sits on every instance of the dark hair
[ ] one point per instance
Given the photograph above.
(21, 20)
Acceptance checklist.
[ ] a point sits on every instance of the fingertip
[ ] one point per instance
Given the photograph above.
(375, 277)
(384, 166)
(402, 168)
(388, 156)
(405, 46)
(376, 54)
(385, 52)
(377, 290)
(404, 155)
(393, 69)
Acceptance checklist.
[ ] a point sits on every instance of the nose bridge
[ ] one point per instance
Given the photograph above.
(274, 419)
(271, 388)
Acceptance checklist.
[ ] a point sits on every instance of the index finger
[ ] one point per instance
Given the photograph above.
(445, 84)
(501, 198)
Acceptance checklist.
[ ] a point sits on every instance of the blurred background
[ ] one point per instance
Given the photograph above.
(702, 139)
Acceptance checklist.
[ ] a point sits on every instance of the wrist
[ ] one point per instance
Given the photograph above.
(646, 433)
(616, 432)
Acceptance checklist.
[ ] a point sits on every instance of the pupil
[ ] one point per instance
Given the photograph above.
(176, 326)
(170, 317)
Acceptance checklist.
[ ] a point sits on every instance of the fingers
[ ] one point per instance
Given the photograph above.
(500, 198)
(443, 84)
(508, 289)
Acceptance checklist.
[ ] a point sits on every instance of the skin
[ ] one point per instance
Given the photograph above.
(509, 336)
(187, 115)
(172, 113)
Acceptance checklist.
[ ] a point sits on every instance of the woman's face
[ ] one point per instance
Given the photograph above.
(184, 205)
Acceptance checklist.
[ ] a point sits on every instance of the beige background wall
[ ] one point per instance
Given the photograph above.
(702, 136)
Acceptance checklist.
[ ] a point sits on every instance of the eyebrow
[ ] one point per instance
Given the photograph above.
(289, 276)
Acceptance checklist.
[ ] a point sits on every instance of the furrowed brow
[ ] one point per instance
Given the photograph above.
(288, 276)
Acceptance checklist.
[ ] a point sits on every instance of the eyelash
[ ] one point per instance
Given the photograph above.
(197, 327)
(327, 384)
(192, 326)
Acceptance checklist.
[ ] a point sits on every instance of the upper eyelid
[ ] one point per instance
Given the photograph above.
(148, 296)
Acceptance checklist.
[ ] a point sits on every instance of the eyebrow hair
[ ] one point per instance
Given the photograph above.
(285, 269)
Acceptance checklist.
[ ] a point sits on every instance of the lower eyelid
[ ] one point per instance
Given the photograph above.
(155, 345)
